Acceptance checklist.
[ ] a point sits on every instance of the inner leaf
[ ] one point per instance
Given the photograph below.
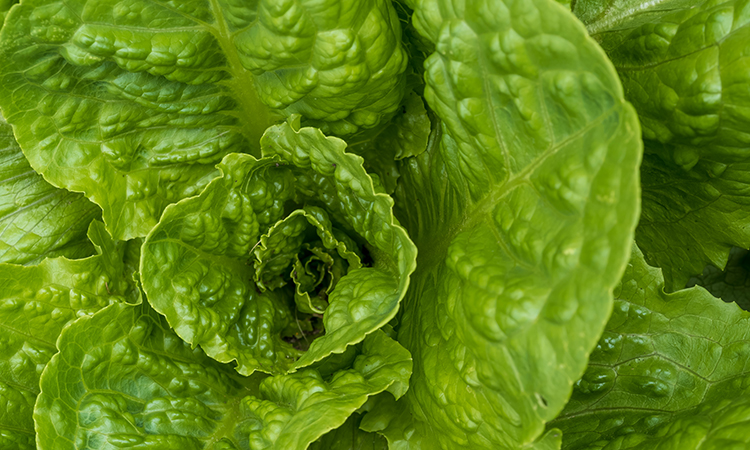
(256, 270)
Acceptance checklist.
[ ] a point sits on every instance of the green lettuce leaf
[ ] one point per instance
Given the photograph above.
(37, 220)
(670, 372)
(521, 209)
(134, 102)
(123, 379)
(295, 409)
(220, 266)
(683, 65)
(36, 303)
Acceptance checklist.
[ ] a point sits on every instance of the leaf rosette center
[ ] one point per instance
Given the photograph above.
(305, 254)
(283, 260)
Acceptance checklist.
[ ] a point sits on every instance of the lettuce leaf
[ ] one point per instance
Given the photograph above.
(123, 379)
(670, 372)
(521, 210)
(683, 66)
(37, 220)
(36, 303)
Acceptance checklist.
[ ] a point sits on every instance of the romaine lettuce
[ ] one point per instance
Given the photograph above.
(374, 225)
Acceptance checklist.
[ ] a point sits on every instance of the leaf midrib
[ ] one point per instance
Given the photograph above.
(604, 22)
(255, 115)
(434, 248)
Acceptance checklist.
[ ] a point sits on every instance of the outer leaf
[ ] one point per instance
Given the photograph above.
(36, 302)
(731, 284)
(197, 268)
(670, 372)
(122, 379)
(602, 15)
(37, 220)
(393, 420)
(521, 214)
(133, 102)
(684, 65)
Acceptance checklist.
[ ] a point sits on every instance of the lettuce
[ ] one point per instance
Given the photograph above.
(419, 224)
(226, 267)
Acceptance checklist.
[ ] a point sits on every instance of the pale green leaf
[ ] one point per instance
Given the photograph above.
(122, 379)
(522, 210)
(36, 303)
(37, 220)
(295, 408)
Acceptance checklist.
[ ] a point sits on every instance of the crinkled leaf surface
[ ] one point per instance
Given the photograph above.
(280, 246)
(685, 66)
(133, 102)
(200, 264)
(38, 220)
(731, 284)
(671, 372)
(295, 409)
(522, 212)
(36, 302)
(123, 379)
